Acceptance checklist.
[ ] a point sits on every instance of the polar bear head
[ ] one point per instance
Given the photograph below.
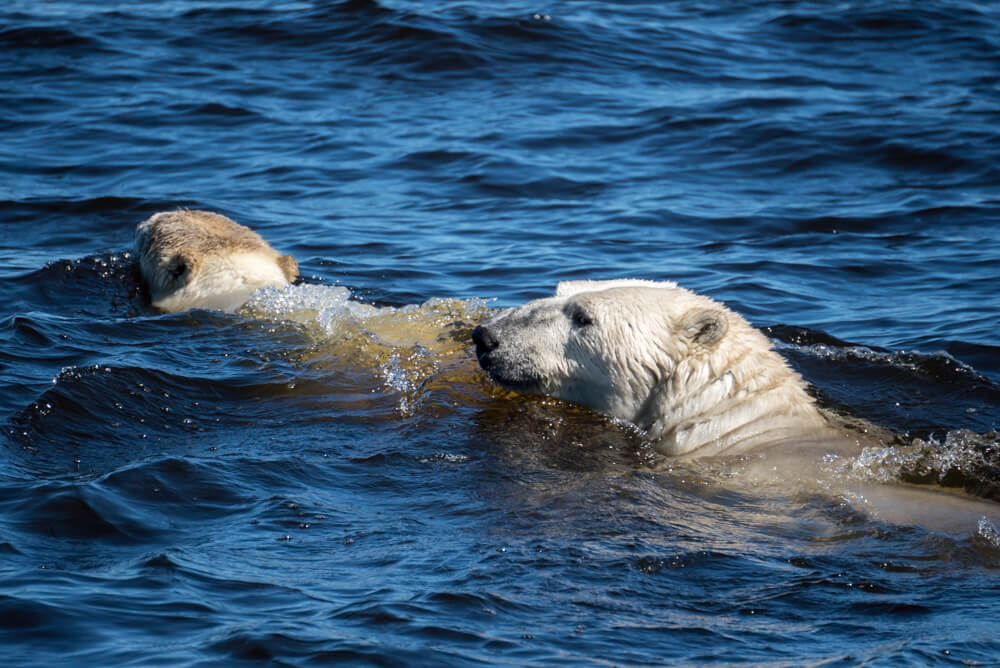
(198, 259)
(684, 367)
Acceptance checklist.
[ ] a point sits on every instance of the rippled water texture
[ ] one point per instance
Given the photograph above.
(327, 476)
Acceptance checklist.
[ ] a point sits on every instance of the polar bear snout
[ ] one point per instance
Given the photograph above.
(499, 355)
(485, 340)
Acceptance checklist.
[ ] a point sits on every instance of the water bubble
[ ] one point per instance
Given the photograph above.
(988, 531)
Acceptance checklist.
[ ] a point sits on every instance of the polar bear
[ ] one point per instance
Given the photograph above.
(701, 382)
(198, 259)
(690, 372)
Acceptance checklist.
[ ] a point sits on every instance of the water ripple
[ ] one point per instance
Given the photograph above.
(327, 475)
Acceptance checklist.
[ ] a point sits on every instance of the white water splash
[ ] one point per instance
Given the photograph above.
(329, 306)
(988, 531)
(404, 346)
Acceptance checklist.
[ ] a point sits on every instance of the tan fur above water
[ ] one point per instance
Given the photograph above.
(198, 259)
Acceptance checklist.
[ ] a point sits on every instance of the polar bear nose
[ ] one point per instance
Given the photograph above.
(485, 341)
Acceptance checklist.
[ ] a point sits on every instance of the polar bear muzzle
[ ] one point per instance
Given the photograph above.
(511, 371)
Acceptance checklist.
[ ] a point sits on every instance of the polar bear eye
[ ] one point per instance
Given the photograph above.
(581, 318)
(177, 268)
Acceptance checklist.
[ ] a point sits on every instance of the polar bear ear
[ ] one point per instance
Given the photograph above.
(704, 326)
(570, 288)
(289, 267)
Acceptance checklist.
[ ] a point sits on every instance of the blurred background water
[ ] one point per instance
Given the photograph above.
(314, 480)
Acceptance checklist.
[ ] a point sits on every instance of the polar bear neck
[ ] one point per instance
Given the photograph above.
(730, 400)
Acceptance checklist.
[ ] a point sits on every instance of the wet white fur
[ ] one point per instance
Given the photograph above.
(693, 374)
(224, 283)
(701, 381)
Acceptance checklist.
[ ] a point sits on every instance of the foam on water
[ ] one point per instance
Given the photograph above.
(963, 460)
(405, 345)
(331, 311)
(925, 364)
(326, 306)
(987, 530)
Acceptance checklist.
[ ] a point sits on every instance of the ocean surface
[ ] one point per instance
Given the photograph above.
(326, 476)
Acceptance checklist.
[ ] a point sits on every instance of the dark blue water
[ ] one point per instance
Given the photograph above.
(327, 476)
